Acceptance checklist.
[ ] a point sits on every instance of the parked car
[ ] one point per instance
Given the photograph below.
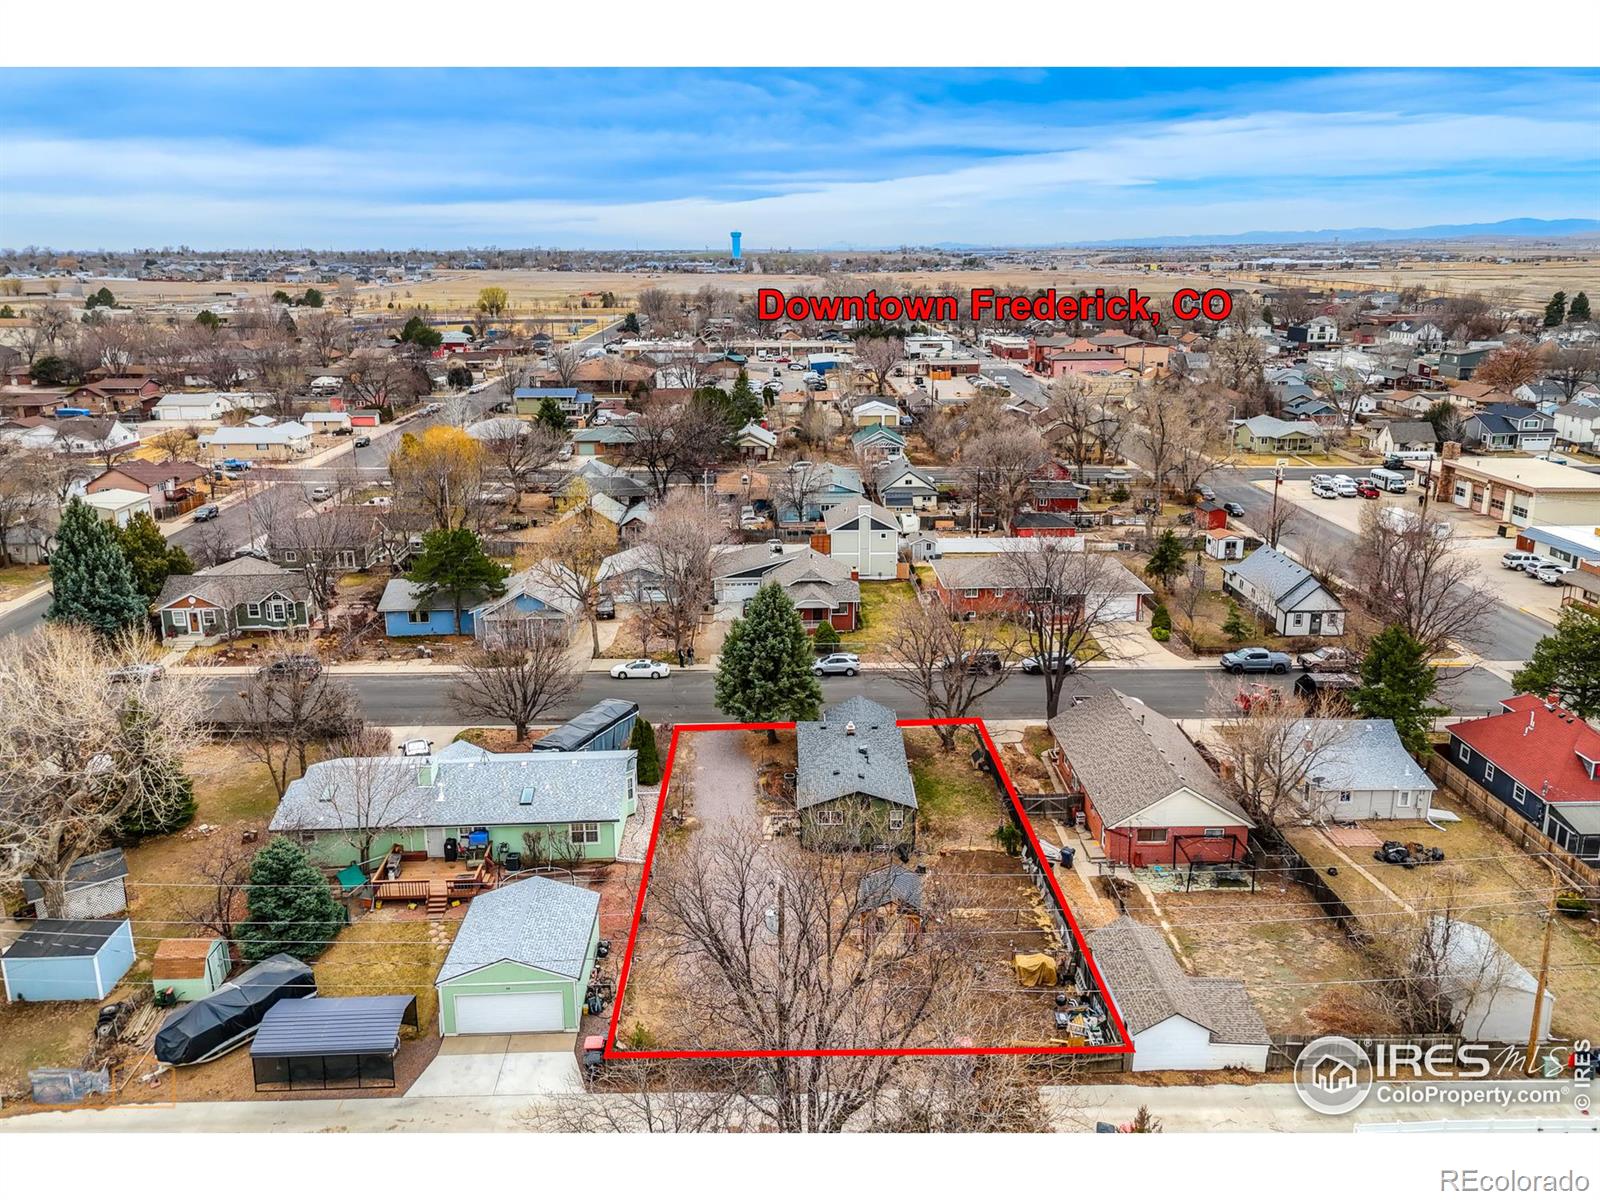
(343, 431)
(801, 464)
(1233, 509)
(975, 662)
(1206, 493)
(1321, 477)
(207, 512)
(1539, 564)
(1324, 490)
(322, 492)
(1346, 487)
(1035, 665)
(605, 609)
(136, 673)
(1517, 560)
(1255, 658)
(1366, 489)
(837, 664)
(641, 668)
(378, 502)
(236, 464)
(1326, 658)
(291, 666)
(363, 440)
(1552, 574)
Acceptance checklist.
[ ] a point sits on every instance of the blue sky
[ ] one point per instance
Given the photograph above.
(802, 158)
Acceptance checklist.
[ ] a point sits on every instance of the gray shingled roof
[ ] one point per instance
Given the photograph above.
(88, 871)
(1127, 756)
(870, 759)
(1404, 433)
(811, 574)
(538, 922)
(238, 581)
(1278, 575)
(1148, 987)
(1362, 756)
(480, 790)
(846, 511)
(961, 571)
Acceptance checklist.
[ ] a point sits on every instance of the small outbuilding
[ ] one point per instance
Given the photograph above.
(189, 968)
(521, 962)
(1491, 994)
(330, 1042)
(67, 960)
(95, 888)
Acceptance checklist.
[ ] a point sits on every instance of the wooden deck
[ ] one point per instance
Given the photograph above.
(433, 882)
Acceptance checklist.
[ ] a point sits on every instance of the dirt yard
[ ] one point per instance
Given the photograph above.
(958, 806)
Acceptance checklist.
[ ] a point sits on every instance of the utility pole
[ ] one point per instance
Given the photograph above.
(1530, 1061)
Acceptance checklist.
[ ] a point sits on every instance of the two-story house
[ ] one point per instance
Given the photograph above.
(865, 537)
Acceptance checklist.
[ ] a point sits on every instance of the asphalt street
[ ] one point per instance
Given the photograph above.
(423, 697)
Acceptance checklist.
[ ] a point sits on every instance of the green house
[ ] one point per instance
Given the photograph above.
(521, 960)
(853, 786)
(244, 595)
(547, 807)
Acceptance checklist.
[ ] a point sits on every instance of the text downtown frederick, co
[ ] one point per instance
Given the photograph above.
(986, 304)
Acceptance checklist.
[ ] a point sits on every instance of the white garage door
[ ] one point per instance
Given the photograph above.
(1121, 608)
(509, 1012)
(740, 589)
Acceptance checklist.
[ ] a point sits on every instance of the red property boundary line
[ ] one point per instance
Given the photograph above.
(1125, 1046)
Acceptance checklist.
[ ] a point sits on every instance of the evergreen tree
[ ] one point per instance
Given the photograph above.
(207, 319)
(743, 404)
(51, 370)
(419, 333)
(1396, 684)
(1166, 560)
(312, 299)
(764, 672)
(630, 323)
(165, 803)
(292, 909)
(452, 563)
(1580, 308)
(826, 638)
(101, 299)
(1236, 628)
(551, 416)
(644, 741)
(149, 557)
(89, 578)
(1556, 311)
(1567, 662)
(459, 377)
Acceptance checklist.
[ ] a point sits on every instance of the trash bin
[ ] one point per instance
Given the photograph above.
(1067, 854)
(1500, 531)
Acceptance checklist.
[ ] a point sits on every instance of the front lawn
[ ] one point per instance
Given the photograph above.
(879, 600)
(19, 578)
(957, 804)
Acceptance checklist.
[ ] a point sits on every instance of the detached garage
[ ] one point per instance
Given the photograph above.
(521, 962)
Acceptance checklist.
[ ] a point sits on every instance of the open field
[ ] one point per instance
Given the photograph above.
(1527, 284)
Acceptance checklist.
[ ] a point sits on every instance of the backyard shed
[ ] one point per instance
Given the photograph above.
(521, 962)
(330, 1042)
(95, 888)
(67, 960)
(1491, 994)
(190, 967)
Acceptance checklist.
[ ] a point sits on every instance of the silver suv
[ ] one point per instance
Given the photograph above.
(837, 664)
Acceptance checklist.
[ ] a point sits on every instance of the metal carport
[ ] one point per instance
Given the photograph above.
(330, 1042)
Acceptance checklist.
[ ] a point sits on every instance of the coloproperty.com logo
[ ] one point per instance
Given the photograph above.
(1334, 1076)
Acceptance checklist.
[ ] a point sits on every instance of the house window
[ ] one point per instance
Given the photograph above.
(1150, 835)
(1299, 620)
(306, 837)
(897, 818)
(417, 618)
(584, 833)
(1215, 833)
(277, 611)
(1488, 772)
(1518, 793)
(829, 816)
(290, 556)
(252, 609)
(971, 593)
(347, 559)
(1402, 800)
(1463, 753)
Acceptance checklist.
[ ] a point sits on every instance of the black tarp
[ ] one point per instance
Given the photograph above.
(590, 725)
(234, 1009)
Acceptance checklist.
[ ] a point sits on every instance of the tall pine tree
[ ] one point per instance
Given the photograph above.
(1397, 684)
(90, 580)
(149, 557)
(452, 564)
(1567, 662)
(1166, 559)
(292, 909)
(1580, 308)
(1556, 311)
(765, 670)
(644, 741)
(744, 405)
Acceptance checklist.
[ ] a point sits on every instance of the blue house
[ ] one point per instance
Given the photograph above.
(67, 960)
(525, 598)
(575, 405)
(839, 485)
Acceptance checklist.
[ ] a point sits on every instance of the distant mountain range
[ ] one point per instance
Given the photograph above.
(1517, 227)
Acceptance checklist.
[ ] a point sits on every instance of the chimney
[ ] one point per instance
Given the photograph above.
(1551, 702)
(849, 729)
(854, 573)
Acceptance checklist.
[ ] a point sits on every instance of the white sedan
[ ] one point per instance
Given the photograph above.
(641, 668)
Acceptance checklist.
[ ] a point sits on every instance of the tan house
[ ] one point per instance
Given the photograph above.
(1521, 490)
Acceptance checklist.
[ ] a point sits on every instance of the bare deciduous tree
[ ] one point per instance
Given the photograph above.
(676, 556)
(517, 674)
(282, 715)
(948, 663)
(1406, 574)
(78, 754)
(369, 787)
(1272, 756)
(876, 358)
(572, 567)
(999, 463)
(677, 438)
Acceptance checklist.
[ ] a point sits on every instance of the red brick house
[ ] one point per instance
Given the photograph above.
(1043, 524)
(1210, 515)
(1056, 494)
(117, 394)
(981, 582)
(1149, 799)
(167, 483)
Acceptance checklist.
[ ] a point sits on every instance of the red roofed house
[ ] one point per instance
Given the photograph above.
(1541, 760)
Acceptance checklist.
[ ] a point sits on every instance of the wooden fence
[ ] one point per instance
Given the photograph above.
(1286, 1048)
(1491, 808)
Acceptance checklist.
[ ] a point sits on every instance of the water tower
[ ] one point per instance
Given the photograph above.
(736, 235)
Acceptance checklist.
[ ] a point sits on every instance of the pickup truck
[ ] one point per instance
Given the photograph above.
(1255, 658)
